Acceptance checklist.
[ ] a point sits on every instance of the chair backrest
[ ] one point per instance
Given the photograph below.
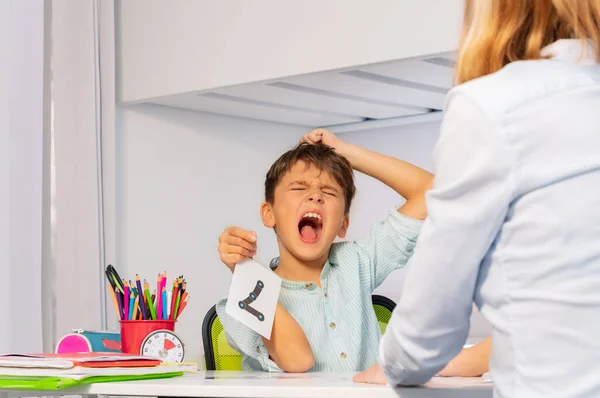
(220, 356)
(217, 352)
(383, 308)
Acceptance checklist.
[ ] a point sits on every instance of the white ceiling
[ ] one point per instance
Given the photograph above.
(394, 89)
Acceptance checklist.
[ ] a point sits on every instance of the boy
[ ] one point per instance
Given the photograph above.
(324, 320)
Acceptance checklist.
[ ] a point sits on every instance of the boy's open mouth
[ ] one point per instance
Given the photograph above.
(310, 227)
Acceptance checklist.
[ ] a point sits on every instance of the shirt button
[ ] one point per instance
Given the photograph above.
(258, 349)
(325, 295)
(332, 325)
(343, 355)
(308, 285)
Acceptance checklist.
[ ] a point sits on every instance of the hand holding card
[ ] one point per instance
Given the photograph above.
(253, 297)
(236, 245)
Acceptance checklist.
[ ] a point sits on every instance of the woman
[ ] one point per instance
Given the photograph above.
(514, 215)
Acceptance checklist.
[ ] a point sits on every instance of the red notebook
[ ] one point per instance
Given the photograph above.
(69, 360)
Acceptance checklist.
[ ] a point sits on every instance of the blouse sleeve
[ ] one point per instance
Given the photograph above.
(466, 208)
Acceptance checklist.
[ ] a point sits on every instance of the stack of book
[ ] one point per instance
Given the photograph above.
(58, 371)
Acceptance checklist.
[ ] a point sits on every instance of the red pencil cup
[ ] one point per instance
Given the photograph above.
(133, 333)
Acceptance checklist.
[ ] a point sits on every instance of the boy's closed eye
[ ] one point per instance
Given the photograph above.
(329, 193)
(329, 190)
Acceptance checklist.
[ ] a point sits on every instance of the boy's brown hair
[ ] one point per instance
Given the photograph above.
(322, 157)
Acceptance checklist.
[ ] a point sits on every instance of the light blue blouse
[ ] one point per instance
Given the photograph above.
(513, 224)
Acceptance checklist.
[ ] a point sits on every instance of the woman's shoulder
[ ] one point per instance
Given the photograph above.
(516, 84)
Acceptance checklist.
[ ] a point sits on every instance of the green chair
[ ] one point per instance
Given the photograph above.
(220, 356)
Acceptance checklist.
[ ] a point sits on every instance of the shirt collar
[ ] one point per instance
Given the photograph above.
(294, 285)
(571, 50)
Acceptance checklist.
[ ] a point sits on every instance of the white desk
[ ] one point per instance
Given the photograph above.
(265, 385)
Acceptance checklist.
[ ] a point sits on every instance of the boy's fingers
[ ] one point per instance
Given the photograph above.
(239, 250)
(314, 137)
(305, 139)
(232, 259)
(310, 138)
(317, 135)
(238, 232)
(235, 241)
(250, 236)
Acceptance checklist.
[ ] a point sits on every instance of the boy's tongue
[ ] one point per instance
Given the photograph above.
(308, 232)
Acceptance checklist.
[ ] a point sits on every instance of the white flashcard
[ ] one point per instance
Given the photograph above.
(253, 297)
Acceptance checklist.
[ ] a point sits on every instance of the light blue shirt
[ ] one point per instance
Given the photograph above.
(513, 224)
(338, 318)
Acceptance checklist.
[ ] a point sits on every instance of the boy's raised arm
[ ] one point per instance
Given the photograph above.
(410, 181)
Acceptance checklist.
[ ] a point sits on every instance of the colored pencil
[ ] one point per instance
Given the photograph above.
(134, 316)
(120, 302)
(154, 303)
(185, 302)
(173, 299)
(146, 287)
(164, 301)
(114, 298)
(177, 301)
(163, 286)
(131, 303)
(138, 283)
(159, 296)
(152, 313)
(169, 300)
(125, 301)
(134, 300)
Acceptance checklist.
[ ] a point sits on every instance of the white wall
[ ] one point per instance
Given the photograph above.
(184, 176)
(4, 159)
(21, 143)
(189, 45)
(78, 200)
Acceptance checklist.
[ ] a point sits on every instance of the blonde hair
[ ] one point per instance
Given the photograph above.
(497, 32)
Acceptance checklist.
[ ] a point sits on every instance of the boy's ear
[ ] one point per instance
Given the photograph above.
(345, 225)
(266, 213)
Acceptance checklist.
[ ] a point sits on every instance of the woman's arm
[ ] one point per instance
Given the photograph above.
(473, 189)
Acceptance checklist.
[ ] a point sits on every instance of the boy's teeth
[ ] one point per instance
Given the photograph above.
(313, 215)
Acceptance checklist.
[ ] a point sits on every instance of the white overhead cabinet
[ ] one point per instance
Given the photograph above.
(309, 62)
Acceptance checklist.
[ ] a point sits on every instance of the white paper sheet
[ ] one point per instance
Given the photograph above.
(253, 297)
(78, 372)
